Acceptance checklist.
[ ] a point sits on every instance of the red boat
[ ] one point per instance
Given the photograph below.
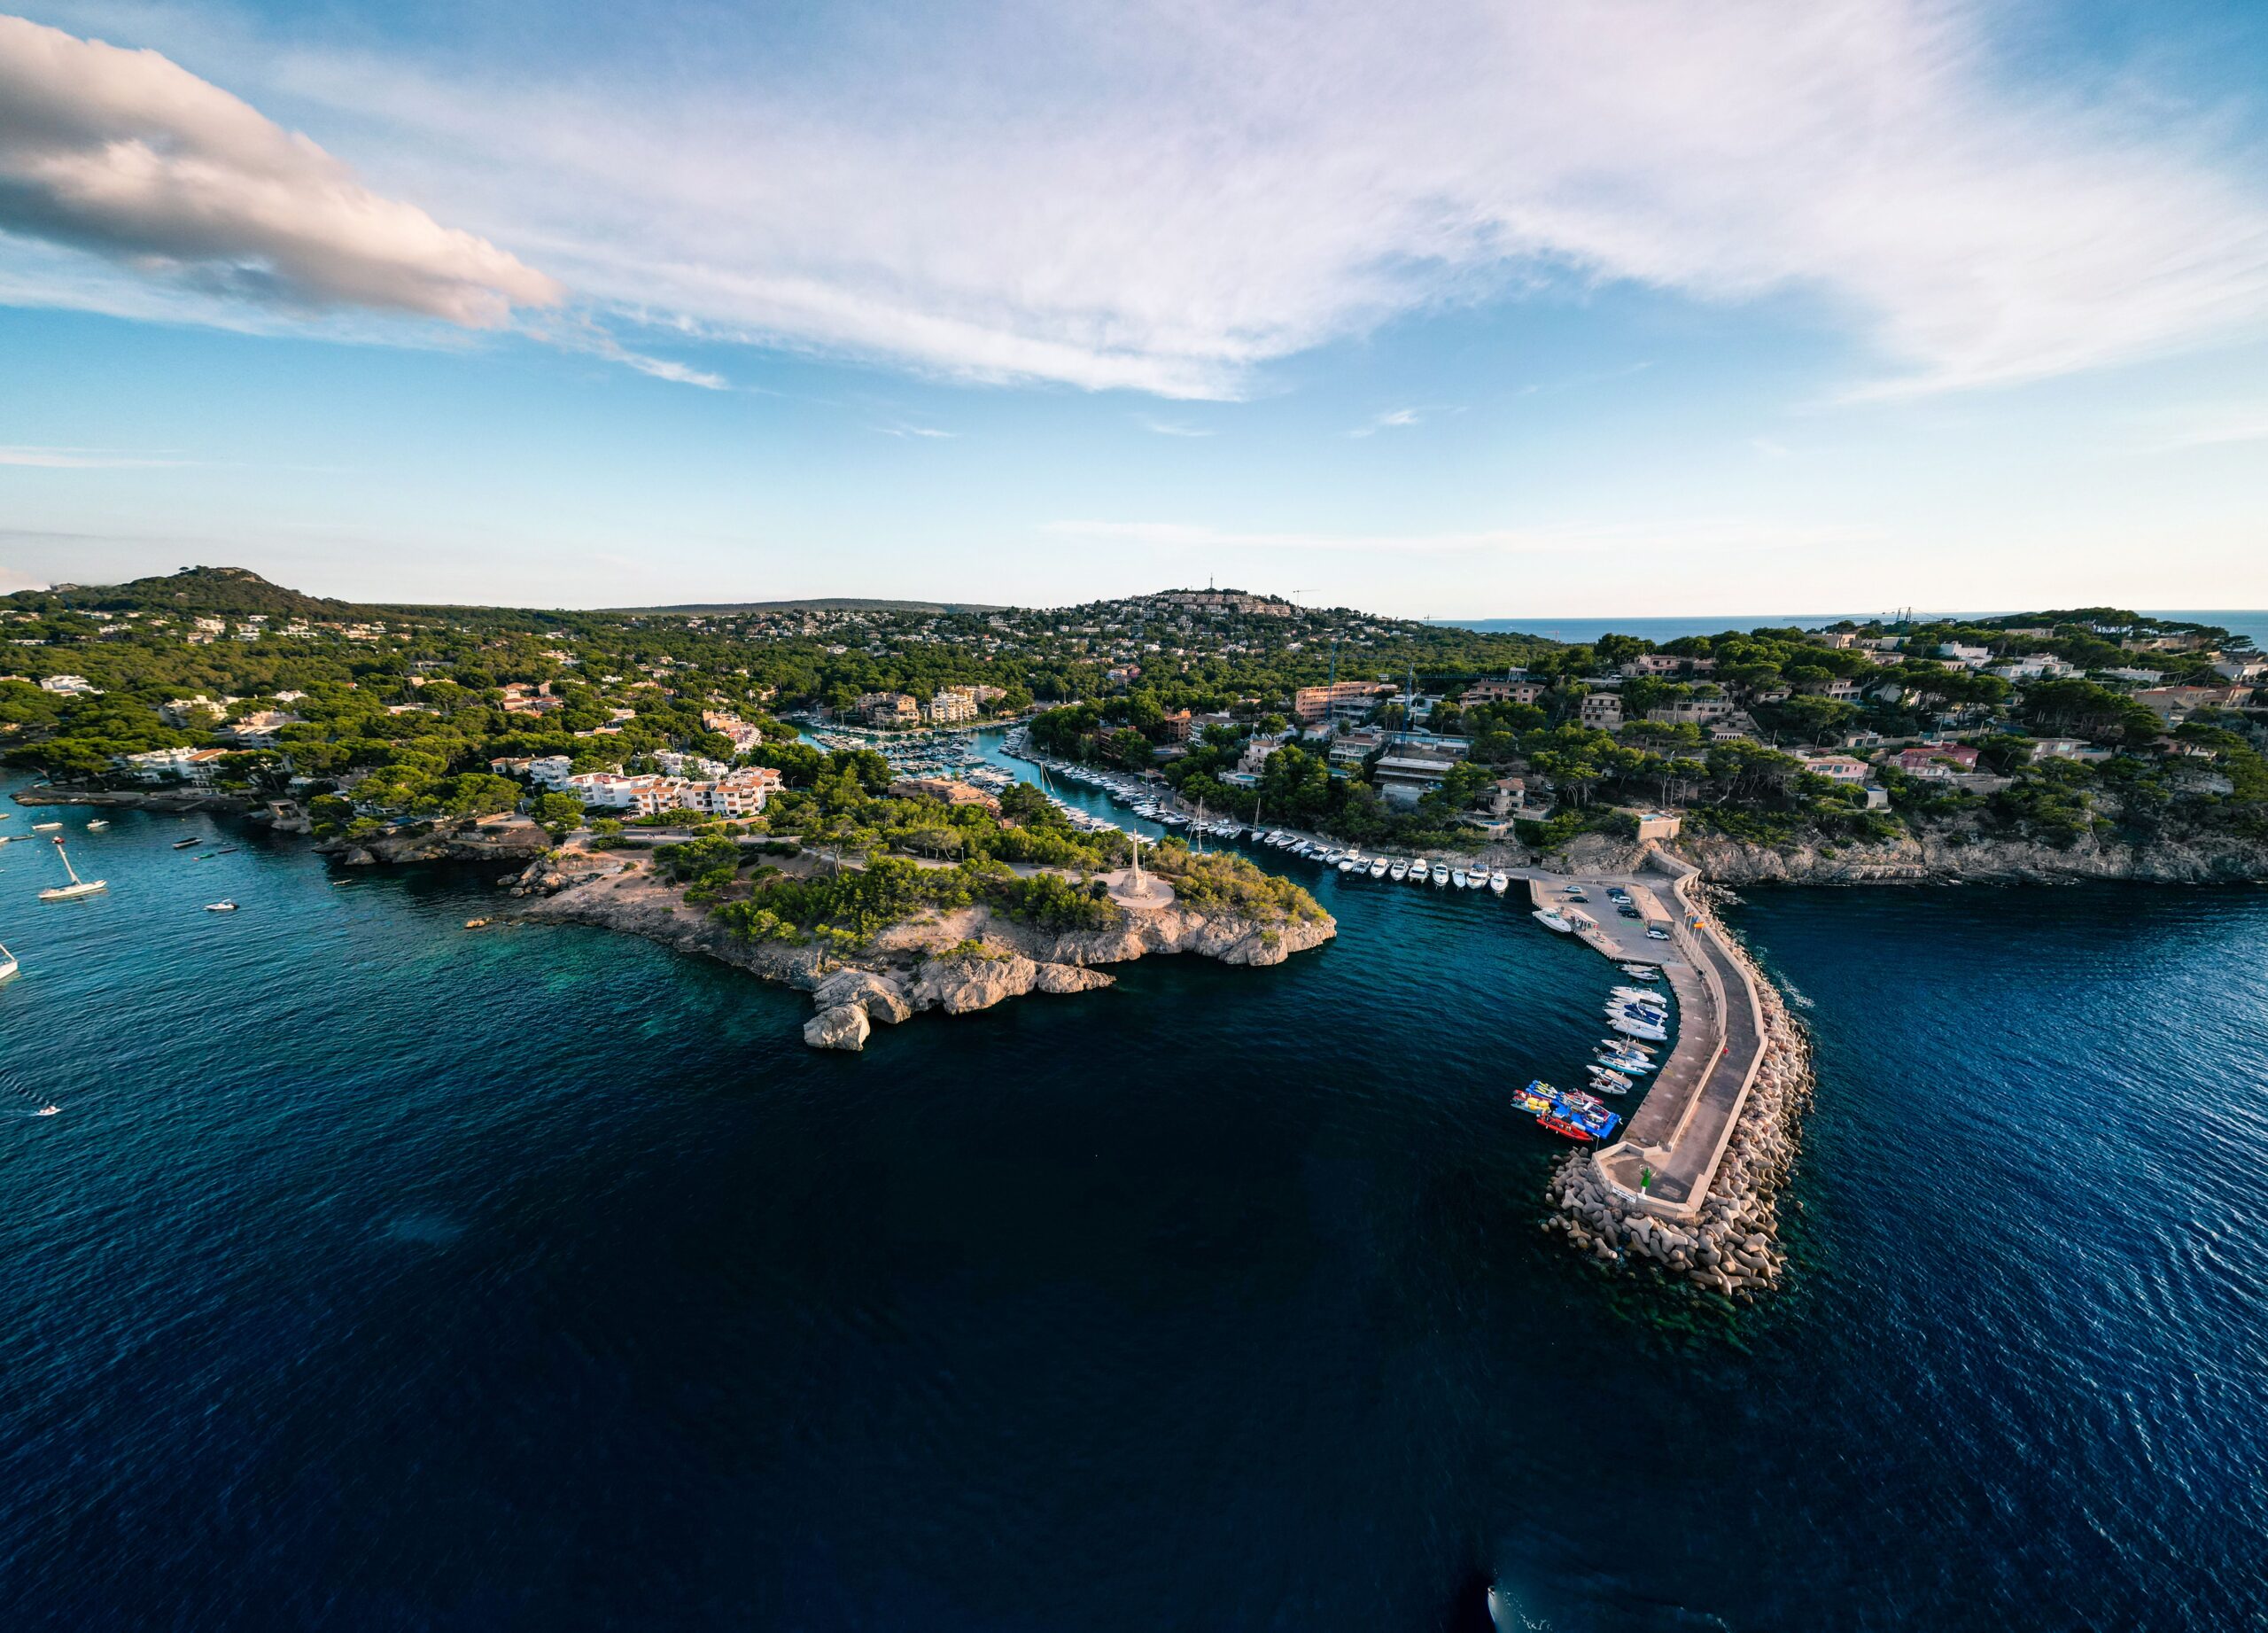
(1558, 1126)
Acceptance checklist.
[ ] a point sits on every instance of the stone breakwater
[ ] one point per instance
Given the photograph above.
(910, 968)
(1733, 1245)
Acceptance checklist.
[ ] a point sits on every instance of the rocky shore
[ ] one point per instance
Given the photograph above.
(513, 839)
(1949, 858)
(1733, 1249)
(930, 964)
(133, 799)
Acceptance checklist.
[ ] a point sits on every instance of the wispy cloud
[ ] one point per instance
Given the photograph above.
(84, 459)
(915, 431)
(1389, 420)
(1637, 538)
(1769, 448)
(1169, 428)
(1167, 197)
(2214, 428)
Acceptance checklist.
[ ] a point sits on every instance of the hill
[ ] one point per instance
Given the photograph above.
(222, 590)
(829, 603)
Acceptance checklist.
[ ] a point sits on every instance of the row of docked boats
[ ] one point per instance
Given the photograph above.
(1637, 1012)
(1568, 1112)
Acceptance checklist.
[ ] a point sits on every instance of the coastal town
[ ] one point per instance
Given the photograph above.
(2080, 733)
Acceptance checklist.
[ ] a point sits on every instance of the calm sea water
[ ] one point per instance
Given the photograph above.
(382, 1274)
(2253, 625)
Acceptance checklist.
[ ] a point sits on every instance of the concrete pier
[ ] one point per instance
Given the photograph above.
(1671, 1147)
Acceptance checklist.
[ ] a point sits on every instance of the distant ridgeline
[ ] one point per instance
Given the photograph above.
(2091, 736)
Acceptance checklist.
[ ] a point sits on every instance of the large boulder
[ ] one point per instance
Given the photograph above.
(957, 985)
(881, 998)
(1069, 978)
(842, 1026)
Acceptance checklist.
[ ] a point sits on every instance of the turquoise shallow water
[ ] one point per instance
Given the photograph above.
(381, 1274)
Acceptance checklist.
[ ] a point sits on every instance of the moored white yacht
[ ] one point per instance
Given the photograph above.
(77, 888)
(1499, 881)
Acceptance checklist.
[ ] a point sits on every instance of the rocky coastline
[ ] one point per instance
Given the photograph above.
(1733, 1249)
(129, 799)
(928, 964)
(1950, 858)
(513, 839)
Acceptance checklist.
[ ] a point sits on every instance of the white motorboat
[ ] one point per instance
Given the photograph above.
(223, 906)
(1608, 1081)
(1552, 921)
(1500, 881)
(77, 888)
(1345, 863)
(1400, 870)
(1378, 868)
(41, 827)
(1441, 874)
(97, 825)
(1637, 1029)
(1457, 877)
(1476, 878)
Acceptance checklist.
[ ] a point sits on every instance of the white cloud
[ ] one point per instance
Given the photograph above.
(126, 154)
(83, 459)
(1170, 428)
(1390, 419)
(1770, 449)
(1166, 197)
(915, 431)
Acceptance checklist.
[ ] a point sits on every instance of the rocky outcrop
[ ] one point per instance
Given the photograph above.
(1229, 939)
(842, 1026)
(957, 985)
(914, 966)
(881, 998)
(153, 799)
(960, 985)
(445, 841)
(1065, 978)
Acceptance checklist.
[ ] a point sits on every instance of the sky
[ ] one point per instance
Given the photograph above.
(1532, 308)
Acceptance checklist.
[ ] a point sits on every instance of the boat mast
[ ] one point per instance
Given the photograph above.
(65, 855)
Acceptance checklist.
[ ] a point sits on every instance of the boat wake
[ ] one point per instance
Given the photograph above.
(1795, 997)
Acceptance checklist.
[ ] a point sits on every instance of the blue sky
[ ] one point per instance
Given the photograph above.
(1471, 310)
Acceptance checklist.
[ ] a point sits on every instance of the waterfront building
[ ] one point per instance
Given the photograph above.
(888, 709)
(1407, 771)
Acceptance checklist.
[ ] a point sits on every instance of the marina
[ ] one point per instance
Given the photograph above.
(1655, 933)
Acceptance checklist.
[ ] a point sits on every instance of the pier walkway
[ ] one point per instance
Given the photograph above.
(1671, 1147)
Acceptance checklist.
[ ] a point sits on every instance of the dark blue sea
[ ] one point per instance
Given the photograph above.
(381, 1274)
(2253, 625)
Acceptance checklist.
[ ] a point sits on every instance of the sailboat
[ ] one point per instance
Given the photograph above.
(77, 888)
(8, 965)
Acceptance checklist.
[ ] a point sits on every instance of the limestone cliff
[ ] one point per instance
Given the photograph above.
(921, 965)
